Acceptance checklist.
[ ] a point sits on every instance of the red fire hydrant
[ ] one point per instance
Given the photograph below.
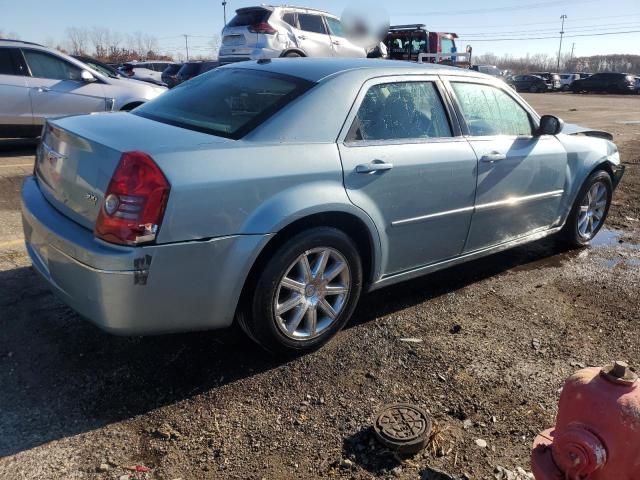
(597, 432)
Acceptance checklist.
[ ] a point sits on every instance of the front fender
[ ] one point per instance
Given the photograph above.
(584, 155)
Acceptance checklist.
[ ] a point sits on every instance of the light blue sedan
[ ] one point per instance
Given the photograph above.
(276, 192)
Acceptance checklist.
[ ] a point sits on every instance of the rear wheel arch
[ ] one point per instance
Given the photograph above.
(350, 224)
(293, 50)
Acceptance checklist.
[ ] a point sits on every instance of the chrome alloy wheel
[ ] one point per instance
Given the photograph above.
(312, 293)
(592, 209)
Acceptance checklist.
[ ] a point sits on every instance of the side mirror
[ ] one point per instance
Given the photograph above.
(550, 125)
(87, 76)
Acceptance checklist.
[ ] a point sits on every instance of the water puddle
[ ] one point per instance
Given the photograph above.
(612, 238)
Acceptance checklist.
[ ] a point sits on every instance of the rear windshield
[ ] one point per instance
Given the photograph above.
(249, 17)
(172, 69)
(228, 102)
(190, 68)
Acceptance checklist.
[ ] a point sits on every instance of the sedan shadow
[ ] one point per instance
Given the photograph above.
(61, 376)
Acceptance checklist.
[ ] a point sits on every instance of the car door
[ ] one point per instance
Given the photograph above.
(521, 176)
(56, 87)
(406, 164)
(15, 105)
(312, 35)
(341, 46)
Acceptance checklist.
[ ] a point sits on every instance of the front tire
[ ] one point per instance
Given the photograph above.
(590, 210)
(305, 294)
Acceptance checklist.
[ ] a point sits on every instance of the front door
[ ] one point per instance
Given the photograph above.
(521, 176)
(406, 165)
(56, 87)
(342, 47)
(312, 36)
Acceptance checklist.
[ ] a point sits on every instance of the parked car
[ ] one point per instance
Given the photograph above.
(97, 65)
(170, 74)
(528, 83)
(146, 71)
(605, 82)
(488, 69)
(224, 199)
(566, 79)
(267, 32)
(193, 69)
(551, 79)
(37, 82)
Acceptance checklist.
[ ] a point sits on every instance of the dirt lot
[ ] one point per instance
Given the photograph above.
(498, 336)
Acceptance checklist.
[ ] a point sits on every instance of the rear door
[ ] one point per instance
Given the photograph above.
(312, 35)
(15, 105)
(341, 46)
(406, 165)
(56, 87)
(521, 177)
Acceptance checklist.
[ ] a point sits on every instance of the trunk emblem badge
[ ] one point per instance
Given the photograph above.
(91, 197)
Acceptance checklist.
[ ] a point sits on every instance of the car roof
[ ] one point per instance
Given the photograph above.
(317, 69)
(10, 42)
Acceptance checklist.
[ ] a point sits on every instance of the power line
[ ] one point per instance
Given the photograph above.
(580, 19)
(579, 28)
(528, 6)
(551, 38)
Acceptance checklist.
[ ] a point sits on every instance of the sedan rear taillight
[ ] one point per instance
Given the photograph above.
(262, 27)
(134, 202)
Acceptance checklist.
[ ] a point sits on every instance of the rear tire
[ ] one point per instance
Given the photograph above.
(589, 211)
(298, 302)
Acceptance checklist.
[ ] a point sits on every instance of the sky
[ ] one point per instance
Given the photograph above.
(493, 26)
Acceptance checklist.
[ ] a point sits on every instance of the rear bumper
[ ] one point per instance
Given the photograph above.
(137, 290)
(255, 54)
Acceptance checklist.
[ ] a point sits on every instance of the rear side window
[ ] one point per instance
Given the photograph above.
(488, 111)
(7, 67)
(290, 18)
(404, 110)
(44, 65)
(245, 18)
(311, 23)
(226, 102)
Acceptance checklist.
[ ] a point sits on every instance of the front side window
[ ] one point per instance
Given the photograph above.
(405, 110)
(447, 45)
(335, 27)
(311, 23)
(226, 102)
(487, 110)
(44, 65)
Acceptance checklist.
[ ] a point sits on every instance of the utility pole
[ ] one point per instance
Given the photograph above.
(186, 44)
(224, 11)
(563, 17)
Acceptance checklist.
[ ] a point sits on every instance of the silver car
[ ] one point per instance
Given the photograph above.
(276, 192)
(268, 32)
(37, 82)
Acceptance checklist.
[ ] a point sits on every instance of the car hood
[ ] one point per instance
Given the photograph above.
(144, 89)
(573, 129)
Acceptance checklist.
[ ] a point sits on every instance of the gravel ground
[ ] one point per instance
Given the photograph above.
(496, 338)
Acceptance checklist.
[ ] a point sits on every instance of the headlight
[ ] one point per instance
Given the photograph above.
(614, 158)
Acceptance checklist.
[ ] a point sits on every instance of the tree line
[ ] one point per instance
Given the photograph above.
(541, 62)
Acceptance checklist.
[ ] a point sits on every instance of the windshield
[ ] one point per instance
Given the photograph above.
(227, 102)
(103, 70)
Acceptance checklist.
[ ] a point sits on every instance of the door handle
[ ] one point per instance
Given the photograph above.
(43, 89)
(336, 42)
(375, 166)
(302, 37)
(493, 157)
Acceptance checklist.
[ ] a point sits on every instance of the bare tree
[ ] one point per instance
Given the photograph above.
(77, 39)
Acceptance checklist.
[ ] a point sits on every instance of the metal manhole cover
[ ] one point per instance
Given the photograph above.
(403, 427)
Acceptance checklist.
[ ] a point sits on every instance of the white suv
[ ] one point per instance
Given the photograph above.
(37, 82)
(267, 32)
